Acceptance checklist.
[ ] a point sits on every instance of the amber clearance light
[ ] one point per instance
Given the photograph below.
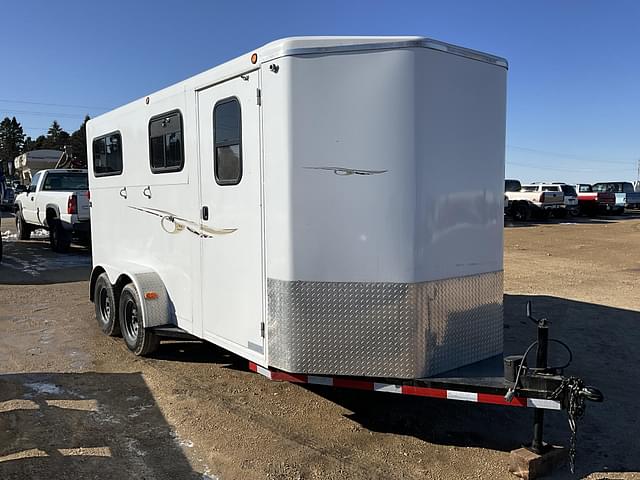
(254, 58)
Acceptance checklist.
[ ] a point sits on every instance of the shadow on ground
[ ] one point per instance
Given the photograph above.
(604, 342)
(73, 426)
(581, 220)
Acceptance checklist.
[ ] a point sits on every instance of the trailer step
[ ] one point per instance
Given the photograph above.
(442, 393)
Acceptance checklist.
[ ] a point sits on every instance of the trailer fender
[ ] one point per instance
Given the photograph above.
(157, 308)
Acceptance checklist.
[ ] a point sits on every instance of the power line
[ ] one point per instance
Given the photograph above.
(53, 104)
(577, 170)
(46, 114)
(567, 155)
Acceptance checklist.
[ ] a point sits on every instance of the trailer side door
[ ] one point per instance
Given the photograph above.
(231, 216)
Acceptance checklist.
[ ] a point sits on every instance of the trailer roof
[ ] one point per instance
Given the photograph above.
(304, 46)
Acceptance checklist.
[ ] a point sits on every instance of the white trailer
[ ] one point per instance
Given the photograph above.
(320, 205)
(324, 207)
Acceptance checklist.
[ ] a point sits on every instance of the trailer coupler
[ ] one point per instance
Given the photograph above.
(571, 392)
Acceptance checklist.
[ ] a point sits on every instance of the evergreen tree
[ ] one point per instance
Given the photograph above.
(56, 137)
(11, 141)
(78, 143)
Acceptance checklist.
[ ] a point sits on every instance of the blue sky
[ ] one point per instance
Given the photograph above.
(574, 78)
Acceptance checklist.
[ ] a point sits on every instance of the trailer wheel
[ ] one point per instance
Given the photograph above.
(59, 238)
(23, 228)
(139, 340)
(106, 305)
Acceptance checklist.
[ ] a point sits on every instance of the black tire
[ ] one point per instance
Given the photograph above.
(59, 238)
(560, 213)
(141, 341)
(22, 227)
(521, 212)
(106, 305)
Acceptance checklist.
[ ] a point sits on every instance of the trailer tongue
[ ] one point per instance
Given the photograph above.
(507, 381)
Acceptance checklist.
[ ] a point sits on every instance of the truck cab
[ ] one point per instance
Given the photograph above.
(57, 200)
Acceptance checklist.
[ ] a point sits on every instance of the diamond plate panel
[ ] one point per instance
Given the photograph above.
(398, 330)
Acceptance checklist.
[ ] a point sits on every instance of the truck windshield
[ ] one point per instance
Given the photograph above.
(568, 190)
(585, 188)
(66, 181)
(614, 187)
(512, 186)
(530, 188)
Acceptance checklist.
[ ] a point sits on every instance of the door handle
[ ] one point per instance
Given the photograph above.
(123, 192)
(205, 213)
(147, 192)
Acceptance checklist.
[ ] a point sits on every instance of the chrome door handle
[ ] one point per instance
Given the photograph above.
(147, 192)
(123, 192)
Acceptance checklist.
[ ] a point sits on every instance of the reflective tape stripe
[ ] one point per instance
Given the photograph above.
(263, 371)
(345, 382)
(464, 396)
(320, 380)
(386, 387)
(542, 403)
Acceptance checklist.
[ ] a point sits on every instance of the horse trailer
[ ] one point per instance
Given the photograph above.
(328, 208)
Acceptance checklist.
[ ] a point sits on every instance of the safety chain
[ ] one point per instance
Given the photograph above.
(572, 387)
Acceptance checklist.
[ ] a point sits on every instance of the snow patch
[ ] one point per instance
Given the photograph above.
(179, 440)
(41, 388)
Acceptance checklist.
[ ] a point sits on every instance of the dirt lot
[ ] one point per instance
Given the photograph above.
(75, 404)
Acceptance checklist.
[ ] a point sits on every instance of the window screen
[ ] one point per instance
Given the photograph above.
(166, 151)
(227, 142)
(107, 155)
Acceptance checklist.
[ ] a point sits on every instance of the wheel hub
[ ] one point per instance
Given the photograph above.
(132, 323)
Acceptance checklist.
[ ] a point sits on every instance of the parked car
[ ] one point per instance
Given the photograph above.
(535, 200)
(510, 185)
(7, 198)
(592, 202)
(58, 200)
(626, 197)
(571, 204)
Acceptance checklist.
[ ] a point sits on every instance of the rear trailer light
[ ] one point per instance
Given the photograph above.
(72, 205)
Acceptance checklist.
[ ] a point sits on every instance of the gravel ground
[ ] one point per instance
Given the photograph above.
(75, 404)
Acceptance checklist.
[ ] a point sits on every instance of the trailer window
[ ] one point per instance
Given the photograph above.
(227, 142)
(107, 155)
(166, 150)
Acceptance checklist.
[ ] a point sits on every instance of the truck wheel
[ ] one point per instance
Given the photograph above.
(521, 212)
(560, 213)
(141, 341)
(59, 238)
(23, 228)
(106, 305)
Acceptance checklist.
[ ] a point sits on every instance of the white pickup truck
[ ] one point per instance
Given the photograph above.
(533, 200)
(57, 200)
